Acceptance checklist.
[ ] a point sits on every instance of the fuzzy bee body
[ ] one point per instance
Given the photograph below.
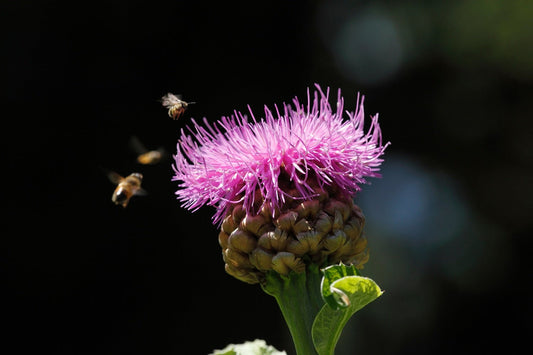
(176, 106)
(150, 158)
(127, 187)
(145, 156)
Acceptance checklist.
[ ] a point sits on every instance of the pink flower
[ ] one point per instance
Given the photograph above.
(232, 160)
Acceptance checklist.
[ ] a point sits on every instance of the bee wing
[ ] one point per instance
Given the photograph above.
(170, 99)
(137, 146)
(140, 192)
(164, 154)
(114, 177)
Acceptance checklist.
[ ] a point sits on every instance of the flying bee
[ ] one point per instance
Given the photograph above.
(145, 156)
(150, 157)
(126, 187)
(176, 106)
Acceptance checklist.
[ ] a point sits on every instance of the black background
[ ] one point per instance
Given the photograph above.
(83, 276)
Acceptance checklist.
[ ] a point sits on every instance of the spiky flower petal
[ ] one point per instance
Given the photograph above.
(267, 163)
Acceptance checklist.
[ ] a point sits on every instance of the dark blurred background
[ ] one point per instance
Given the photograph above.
(449, 224)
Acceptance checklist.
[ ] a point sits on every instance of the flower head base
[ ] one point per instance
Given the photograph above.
(283, 186)
(325, 230)
(273, 160)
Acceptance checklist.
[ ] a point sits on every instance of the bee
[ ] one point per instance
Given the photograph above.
(176, 106)
(126, 187)
(145, 156)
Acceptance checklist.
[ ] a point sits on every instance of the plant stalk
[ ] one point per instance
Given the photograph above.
(299, 298)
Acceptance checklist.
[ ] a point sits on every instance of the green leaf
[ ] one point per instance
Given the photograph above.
(331, 274)
(348, 293)
(256, 347)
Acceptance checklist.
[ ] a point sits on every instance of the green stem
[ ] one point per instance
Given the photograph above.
(299, 298)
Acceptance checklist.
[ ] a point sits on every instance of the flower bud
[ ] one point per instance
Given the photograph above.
(308, 208)
(338, 222)
(228, 225)
(276, 240)
(301, 226)
(223, 239)
(313, 231)
(287, 220)
(334, 241)
(242, 240)
(353, 228)
(335, 205)
(257, 224)
(284, 262)
(267, 212)
(324, 223)
(307, 242)
(261, 259)
(237, 259)
(238, 214)
(243, 274)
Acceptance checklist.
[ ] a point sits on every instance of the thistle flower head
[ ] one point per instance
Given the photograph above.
(289, 155)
